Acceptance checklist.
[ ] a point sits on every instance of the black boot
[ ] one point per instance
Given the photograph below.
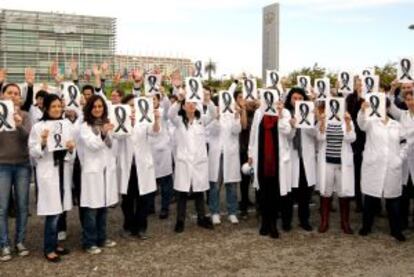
(179, 226)
(273, 229)
(205, 222)
(265, 228)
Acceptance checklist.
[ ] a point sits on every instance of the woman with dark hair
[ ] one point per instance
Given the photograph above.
(269, 155)
(191, 163)
(99, 188)
(303, 161)
(54, 180)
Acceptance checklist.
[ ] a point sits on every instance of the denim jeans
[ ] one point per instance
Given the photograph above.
(231, 198)
(166, 186)
(17, 175)
(94, 227)
(51, 234)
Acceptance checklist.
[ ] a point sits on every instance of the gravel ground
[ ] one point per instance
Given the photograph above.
(226, 251)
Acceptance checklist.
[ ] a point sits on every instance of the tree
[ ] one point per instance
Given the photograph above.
(387, 74)
(210, 68)
(314, 72)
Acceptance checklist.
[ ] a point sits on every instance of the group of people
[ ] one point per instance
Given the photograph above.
(191, 151)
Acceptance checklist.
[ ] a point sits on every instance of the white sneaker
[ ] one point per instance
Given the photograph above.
(109, 243)
(21, 250)
(94, 250)
(233, 219)
(215, 218)
(5, 254)
(62, 236)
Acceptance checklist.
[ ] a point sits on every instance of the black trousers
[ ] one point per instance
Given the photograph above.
(182, 204)
(135, 206)
(76, 191)
(244, 185)
(407, 195)
(303, 195)
(357, 175)
(370, 209)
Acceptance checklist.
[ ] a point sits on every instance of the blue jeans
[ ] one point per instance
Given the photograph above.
(51, 234)
(231, 198)
(17, 175)
(94, 227)
(166, 186)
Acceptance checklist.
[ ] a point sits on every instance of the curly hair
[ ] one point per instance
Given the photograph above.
(87, 110)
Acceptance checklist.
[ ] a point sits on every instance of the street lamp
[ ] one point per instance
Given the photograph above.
(411, 27)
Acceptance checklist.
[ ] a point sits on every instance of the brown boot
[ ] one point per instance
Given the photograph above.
(344, 209)
(325, 209)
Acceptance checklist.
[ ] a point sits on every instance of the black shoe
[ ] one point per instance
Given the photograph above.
(62, 251)
(306, 226)
(287, 227)
(163, 215)
(274, 234)
(243, 214)
(179, 227)
(205, 222)
(364, 232)
(399, 236)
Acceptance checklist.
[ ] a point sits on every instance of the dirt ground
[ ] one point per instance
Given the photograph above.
(226, 251)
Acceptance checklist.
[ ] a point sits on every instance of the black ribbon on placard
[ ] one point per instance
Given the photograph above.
(304, 112)
(334, 106)
(198, 67)
(375, 102)
(248, 84)
(194, 89)
(320, 84)
(303, 82)
(269, 99)
(58, 140)
(369, 83)
(120, 116)
(345, 81)
(366, 72)
(73, 95)
(274, 78)
(227, 102)
(3, 116)
(152, 81)
(405, 68)
(143, 107)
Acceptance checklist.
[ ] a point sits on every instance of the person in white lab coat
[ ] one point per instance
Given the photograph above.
(406, 118)
(99, 188)
(270, 157)
(136, 173)
(54, 180)
(385, 151)
(191, 163)
(224, 163)
(335, 168)
(303, 160)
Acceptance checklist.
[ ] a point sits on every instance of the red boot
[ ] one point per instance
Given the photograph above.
(325, 209)
(344, 209)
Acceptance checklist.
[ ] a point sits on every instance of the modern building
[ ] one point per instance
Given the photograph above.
(35, 39)
(270, 43)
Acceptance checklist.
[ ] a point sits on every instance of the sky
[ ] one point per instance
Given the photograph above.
(336, 34)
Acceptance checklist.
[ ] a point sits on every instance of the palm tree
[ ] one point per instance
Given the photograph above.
(210, 68)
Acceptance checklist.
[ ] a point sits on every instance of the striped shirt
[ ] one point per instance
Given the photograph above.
(334, 137)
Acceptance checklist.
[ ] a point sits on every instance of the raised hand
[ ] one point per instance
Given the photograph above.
(29, 76)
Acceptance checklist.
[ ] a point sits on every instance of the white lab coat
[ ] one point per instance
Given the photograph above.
(191, 161)
(308, 142)
(98, 178)
(49, 198)
(347, 162)
(224, 139)
(381, 172)
(136, 146)
(284, 161)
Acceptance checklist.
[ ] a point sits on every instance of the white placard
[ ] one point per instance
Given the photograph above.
(194, 90)
(7, 123)
(198, 69)
(144, 111)
(304, 82)
(305, 114)
(274, 81)
(405, 70)
(376, 107)
(249, 88)
(370, 84)
(322, 88)
(226, 103)
(152, 84)
(335, 109)
(71, 95)
(345, 82)
(58, 135)
(268, 100)
(120, 117)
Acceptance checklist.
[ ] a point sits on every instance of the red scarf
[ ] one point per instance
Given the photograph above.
(270, 161)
